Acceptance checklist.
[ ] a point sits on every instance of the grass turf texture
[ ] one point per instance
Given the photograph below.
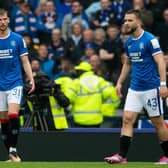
(78, 165)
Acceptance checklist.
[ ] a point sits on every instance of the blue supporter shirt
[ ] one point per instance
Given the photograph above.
(12, 47)
(144, 69)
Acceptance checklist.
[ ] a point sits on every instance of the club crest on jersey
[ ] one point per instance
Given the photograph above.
(129, 46)
(141, 45)
(13, 43)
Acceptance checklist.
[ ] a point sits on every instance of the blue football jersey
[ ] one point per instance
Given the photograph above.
(144, 69)
(12, 48)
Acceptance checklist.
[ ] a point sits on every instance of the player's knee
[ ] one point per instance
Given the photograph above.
(128, 121)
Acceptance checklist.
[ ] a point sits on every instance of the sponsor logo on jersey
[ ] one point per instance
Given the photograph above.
(6, 53)
(136, 57)
(13, 43)
(141, 45)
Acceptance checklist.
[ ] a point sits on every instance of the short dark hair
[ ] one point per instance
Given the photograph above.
(113, 25)
(136, 12)
(3, 11)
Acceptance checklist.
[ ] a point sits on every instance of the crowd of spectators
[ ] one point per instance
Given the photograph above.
(77, 30)
(57, 31)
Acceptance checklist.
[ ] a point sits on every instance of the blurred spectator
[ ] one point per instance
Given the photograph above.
(64, 7)
(123, 36)
(48, 66)
(111, 51)
(138, 4)
(56, 48)
(41, 8)
(38, 6)
(85, 4)
(13, 10)
(77, 15)
(99, 38)
(105, 15)
(157, 7)
(147, 15)
(120, 7)
(67, 68)
(88, 35)
(89, 50)
(92, 9)
(74, 43)
(47, 21)
(32, 49)
(34, 4)
(88, 44)
(25, 22)
(35, 65)
(161, 30)
(77, 30)
(98, 66)
(113, 33)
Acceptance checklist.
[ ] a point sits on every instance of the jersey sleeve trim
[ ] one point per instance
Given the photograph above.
(24, 54)
(156, 53)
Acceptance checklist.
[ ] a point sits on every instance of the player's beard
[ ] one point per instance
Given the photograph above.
(131, 30)
(3, 29)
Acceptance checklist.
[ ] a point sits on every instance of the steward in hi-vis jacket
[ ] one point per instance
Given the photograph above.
(88, 93)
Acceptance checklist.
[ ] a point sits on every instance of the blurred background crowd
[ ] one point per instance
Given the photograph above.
(62, 36)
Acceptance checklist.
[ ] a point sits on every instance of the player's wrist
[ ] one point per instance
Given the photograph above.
(162, 83)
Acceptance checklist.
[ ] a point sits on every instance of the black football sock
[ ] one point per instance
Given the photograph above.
(164, 146)
(125, 142)
(14, 121)
(5, 133)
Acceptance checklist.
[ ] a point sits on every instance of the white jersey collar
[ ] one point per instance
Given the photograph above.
(139, 36)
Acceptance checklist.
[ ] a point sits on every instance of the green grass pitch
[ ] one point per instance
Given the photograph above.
(78, 165)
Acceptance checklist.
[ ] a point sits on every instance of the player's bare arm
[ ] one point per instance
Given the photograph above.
(124, 73)
(28, 71)
(162, 73)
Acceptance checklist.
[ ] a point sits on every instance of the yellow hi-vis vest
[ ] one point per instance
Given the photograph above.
(110, 105)
(58, 114)
(89, 92)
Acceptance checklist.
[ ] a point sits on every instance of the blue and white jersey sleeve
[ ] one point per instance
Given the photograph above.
(154, 46)
(22, 47)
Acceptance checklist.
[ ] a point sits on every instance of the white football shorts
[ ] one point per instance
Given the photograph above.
(11, 96)
(150, 100)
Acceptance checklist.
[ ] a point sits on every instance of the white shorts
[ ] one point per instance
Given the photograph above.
(11, 96)
(150, 100)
